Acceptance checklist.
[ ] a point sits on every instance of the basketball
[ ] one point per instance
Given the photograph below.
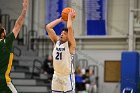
(65, 13)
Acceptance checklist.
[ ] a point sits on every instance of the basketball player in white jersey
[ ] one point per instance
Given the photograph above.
(63, 79)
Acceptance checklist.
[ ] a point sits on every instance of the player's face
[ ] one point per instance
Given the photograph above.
(64, 36)
(3, 34)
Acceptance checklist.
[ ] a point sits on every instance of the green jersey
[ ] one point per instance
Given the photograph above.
(6, 57)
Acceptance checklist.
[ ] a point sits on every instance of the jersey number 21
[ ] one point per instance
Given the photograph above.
(58, 56)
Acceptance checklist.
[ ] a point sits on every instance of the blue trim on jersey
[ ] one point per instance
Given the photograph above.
(72, 62)
(71, 84)
(57, 91)
(71, 81)
(72, 65)
(68, 91)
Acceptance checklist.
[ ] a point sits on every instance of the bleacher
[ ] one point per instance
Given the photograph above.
(25, 75)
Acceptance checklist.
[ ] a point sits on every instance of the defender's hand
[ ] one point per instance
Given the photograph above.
(25, 4)
(72, 14)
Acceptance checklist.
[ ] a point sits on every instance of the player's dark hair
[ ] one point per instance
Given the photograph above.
(65, 29)
(1, 30)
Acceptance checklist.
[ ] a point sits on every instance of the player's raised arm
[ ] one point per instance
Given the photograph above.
(51, 32)
(21, 18)
(71, 37)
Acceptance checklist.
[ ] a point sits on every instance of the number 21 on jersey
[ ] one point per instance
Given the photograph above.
(58, 56)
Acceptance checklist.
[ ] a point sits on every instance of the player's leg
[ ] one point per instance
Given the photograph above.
(69, 86)
(57, 84)
(12, 88)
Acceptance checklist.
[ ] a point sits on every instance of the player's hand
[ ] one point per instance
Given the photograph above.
(72, 14)
(25, 4)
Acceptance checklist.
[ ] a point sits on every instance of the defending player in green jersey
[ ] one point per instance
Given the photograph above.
(6, 52)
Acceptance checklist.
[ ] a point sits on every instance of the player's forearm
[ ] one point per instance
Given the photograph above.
(20, 19)
(69, 22)
(53, 23)
(70, 29)
(71, 37)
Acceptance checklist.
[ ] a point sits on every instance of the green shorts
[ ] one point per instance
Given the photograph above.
(3, 87)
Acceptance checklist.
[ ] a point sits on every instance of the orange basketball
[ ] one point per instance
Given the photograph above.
(65, 13)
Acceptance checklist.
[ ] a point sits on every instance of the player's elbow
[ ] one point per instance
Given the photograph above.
(48, 27)
(72, 49)
(73, 45)
(15, 32)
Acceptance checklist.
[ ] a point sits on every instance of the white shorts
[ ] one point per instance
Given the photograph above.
(63, 83)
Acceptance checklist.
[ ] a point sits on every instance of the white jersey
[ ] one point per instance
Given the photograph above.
(62, 59)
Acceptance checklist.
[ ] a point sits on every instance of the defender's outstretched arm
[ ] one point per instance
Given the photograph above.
(20, 20)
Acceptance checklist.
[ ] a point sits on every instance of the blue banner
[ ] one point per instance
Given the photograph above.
(95, 13)
(53, 11)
